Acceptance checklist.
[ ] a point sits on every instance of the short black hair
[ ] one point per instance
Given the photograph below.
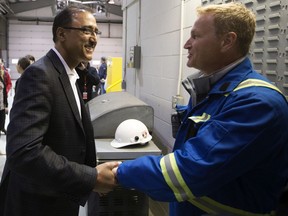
(30, 57)
(23, 62)
(64, 18)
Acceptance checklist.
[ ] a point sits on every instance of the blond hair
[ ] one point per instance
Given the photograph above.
(233, 17)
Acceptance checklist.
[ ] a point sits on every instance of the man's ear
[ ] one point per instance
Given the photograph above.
(61, 33)
(228, 40)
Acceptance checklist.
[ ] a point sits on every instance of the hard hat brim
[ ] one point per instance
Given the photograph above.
(114, 143)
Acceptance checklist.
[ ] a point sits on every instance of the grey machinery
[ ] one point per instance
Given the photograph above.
(107, 111)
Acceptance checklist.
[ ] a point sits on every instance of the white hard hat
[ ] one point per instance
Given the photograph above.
(130, 132)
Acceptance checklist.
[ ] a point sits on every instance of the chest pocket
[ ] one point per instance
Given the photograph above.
(195, 123)
(212, 131)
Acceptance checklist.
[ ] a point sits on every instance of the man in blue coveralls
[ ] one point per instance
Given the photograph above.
(231, 154)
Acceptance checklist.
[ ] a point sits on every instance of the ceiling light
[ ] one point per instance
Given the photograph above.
(75, 1)
(100, 9)
(111, 2)
(89, 2)
(60, 5)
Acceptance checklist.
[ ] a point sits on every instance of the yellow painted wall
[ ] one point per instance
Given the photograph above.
(114, 74)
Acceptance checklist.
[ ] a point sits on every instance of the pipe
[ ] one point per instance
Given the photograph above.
(125, 17)
(124, 47)
(181, 47)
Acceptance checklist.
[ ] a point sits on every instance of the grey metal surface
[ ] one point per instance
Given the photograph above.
(107, 111)
(106, 152)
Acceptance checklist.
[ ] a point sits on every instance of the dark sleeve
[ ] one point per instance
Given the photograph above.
(94, 78)
(103, 71)
(93, 71)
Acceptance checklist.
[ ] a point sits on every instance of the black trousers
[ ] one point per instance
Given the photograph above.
(2, 119)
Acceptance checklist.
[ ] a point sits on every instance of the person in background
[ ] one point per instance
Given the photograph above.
(51, 160)
(103, 74)
(22, 64)
(230, 155)
(6, 78)
(87, 80)
(3, 100)
(92, 70)
(31, 58)
(95, 88)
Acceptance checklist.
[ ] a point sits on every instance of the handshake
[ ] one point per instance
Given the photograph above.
(106, 177)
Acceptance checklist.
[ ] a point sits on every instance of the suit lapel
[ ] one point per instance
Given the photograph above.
(90, 158)
(64, 79)
(70, 96)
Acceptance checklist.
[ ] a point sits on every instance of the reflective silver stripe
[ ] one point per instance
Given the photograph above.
(204, 206)
(182, 192)
(174, 178)
(223, 210)
(255, 82)
(203, 118)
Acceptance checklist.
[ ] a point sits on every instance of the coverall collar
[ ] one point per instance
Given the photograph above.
(198, 84)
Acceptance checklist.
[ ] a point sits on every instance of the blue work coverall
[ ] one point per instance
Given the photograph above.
(230, 155)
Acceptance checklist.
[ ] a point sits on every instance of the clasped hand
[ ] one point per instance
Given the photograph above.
(106, 179)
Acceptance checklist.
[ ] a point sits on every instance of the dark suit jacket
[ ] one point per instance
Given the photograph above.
(51, 159)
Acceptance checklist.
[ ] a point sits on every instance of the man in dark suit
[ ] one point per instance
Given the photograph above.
(50, 167)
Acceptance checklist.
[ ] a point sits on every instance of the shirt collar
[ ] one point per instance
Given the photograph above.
(68, 70)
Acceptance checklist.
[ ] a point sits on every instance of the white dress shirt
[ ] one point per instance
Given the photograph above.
(73, 76)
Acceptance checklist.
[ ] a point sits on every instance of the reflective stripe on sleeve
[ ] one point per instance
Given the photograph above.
(174, 178)
(211, 206)
(182, 192)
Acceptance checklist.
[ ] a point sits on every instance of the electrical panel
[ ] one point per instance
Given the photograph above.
(269, 49)
(134, 57)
